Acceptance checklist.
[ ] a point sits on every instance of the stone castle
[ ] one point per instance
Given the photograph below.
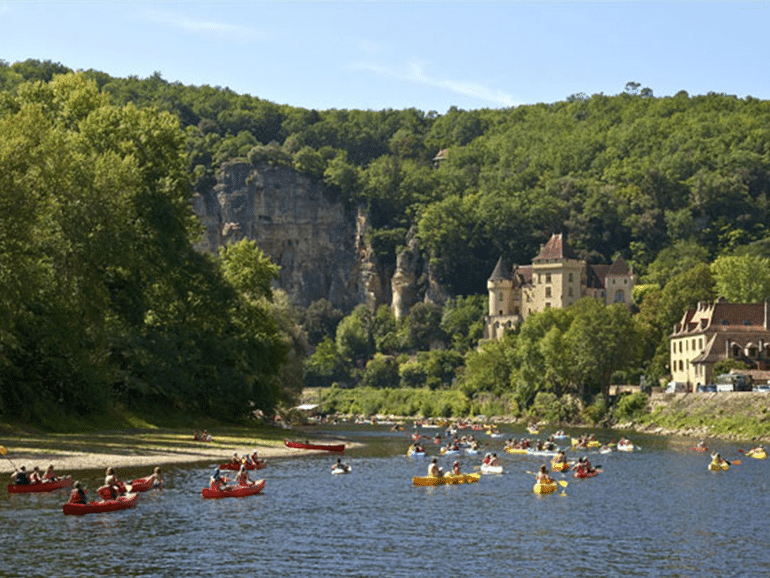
(556, 278)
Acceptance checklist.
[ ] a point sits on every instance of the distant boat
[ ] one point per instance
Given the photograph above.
(309, 446)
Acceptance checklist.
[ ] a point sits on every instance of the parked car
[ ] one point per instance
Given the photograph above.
(676, 387)
(708, 388)
(765, 388)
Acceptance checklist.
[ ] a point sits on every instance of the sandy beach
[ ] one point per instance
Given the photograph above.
(134, 452)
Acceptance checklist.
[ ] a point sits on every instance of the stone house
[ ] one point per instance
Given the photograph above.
(713, 332)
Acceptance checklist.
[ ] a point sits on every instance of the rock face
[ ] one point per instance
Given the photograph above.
(309, 236)
(320, 247)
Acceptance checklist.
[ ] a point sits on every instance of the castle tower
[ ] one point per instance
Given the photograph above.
(500, 287)
(556, 275)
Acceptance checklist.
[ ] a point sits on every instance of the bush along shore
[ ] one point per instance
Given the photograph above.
(729, 416)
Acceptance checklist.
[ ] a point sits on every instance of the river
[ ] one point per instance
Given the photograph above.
(653, 512)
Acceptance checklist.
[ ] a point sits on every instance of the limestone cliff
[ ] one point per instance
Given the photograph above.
(320, 246)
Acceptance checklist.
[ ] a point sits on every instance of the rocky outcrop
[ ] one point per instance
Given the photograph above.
(320, 246)
(311, 237)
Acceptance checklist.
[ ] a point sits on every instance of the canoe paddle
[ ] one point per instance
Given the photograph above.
(3, 452)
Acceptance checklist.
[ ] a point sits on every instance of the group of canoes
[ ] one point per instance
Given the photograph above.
(117, 495)
(114, 494)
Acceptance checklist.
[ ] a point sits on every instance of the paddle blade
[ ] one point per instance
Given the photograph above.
(563, 483)
(3, 451)
(735, 463)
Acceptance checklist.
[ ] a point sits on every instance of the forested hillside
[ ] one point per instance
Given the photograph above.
(671, 184)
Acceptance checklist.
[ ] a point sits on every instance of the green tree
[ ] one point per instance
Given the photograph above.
(354, 341)
(421, 327)
(381, 372)
(320, 321)
(601, 340)
(742, 279)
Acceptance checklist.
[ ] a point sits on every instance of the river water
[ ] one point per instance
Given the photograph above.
(653, 512)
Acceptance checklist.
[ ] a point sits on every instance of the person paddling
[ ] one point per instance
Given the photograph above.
(217, 482)
(338, 465)
(157, 478)
(542, 476)
(78, 494)
(49, 475)
(433, 470)
(242, 477)
(19, 477)
(115, 484)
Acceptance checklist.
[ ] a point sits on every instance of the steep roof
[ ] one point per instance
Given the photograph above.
(595, 276)
(555, 248)
(619, 268)
(724, 317)
(501, 272)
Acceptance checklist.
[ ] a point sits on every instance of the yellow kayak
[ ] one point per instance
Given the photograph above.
(446, 479)
(545, 488)
(559, 466)
(718, 466)
(516, 450)
(758, 454)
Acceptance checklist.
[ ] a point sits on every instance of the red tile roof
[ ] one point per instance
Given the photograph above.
(555, 248)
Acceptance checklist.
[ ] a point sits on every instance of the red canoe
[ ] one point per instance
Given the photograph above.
(309, 446)
(249, 466)
(120, 503)
(238, 491)
(142, 484)
(584, 474)
(40, 486)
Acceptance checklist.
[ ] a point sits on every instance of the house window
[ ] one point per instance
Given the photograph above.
(620, 296)
(548, 292)
(569, 291)
(547, 277)
(547, 305)
(570, 277)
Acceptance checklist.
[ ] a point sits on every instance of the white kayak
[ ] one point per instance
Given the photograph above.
(342, 470)
(487, 469)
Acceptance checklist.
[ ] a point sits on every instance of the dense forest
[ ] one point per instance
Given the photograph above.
(102, 297)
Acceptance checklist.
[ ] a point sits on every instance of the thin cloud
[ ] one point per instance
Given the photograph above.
(415, 72)
(205, 27)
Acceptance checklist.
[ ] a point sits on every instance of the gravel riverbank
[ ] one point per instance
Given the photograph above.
(132, 449)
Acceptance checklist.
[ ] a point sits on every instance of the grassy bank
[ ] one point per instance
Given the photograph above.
(736, 416)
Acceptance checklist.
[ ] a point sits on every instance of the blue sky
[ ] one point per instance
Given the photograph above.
(429, 55)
